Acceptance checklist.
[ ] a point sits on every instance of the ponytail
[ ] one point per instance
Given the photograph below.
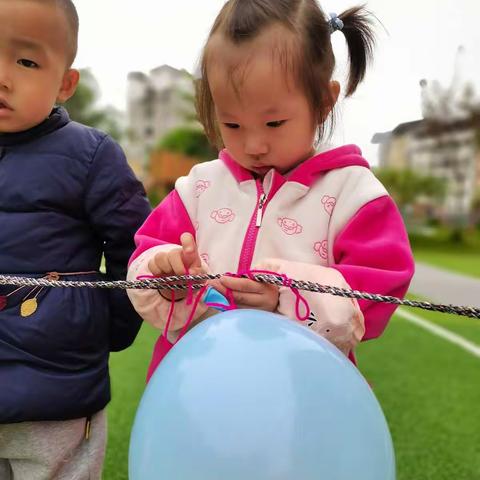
(358, 31)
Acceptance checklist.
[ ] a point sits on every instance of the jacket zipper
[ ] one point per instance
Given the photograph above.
(250, 240)
(261, 204)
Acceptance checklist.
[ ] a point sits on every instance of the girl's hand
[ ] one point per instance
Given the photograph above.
(248, 293)
(178, 261)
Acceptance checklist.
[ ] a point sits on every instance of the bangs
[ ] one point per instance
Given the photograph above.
(235, 60)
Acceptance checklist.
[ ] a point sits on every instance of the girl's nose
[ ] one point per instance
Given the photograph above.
(256, 146)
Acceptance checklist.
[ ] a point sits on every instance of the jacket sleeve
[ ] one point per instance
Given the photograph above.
(337, 319)
(373, 254)
(161, 232)
(116, 206)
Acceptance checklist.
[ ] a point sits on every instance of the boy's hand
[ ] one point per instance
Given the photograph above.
(178, 261)
(249, 293)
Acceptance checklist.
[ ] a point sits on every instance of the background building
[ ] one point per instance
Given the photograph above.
(156, 104)
(445, 144)
(449, 151)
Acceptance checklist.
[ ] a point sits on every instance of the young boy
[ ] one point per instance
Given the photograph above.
(67, 197)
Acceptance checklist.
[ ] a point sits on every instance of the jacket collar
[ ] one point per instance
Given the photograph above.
(308, 171)
(57, 119)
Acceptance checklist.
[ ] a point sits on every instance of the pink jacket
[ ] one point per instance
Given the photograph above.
(329, 221)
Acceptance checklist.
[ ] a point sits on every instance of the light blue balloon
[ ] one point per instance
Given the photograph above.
(250, 395)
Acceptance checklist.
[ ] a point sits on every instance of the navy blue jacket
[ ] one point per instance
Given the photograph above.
(67, 196)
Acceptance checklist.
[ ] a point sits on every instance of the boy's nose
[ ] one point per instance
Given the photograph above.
(5, 81)
(5, 75)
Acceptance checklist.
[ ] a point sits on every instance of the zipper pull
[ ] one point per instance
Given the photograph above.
(261, 203)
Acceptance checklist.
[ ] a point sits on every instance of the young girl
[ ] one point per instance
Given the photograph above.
(278, 198)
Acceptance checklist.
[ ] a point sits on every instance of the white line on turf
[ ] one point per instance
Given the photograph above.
(461, 342)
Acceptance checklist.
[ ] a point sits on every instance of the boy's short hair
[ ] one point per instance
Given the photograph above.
(72, 19)
(71, 16)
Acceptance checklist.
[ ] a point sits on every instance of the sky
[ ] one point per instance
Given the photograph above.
(416, 39)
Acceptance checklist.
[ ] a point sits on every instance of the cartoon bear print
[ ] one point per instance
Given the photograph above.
(200, 187)
(290, 226)
(223, 215)
(322, 249)
(329, 203)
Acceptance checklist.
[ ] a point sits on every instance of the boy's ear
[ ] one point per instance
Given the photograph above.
(68, 86)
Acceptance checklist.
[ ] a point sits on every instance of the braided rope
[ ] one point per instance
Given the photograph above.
(180, 283)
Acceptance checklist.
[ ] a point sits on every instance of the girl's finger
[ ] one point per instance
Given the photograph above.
(248, 299)
(241, 284)
(159, 265)
(175, 258)
(190, 256)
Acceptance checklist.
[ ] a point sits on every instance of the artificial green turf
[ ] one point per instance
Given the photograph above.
(428, 388)
(430, 392)
(127, 371)
(465, 326)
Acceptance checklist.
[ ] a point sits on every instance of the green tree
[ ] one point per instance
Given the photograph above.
(406, 186)
(476, 208)
(190, 141)
(82, 106)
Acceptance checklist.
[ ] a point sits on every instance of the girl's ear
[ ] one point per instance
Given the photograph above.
(69, 84)
(334, 92)
(334, 88)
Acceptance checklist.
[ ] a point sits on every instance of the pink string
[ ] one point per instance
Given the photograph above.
(231, 299)
(221, 306)
(170, 313)
(192, 312)
(286, 282)
(189, 300)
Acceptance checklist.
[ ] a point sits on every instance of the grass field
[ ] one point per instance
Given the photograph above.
(428, 388)
(430, 393)
(127, 371)
(441, 251)
(456, 260)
